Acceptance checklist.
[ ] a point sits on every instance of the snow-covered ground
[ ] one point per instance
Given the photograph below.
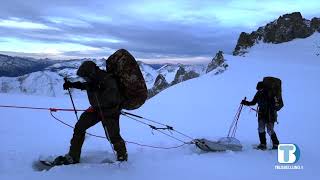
(201, 107)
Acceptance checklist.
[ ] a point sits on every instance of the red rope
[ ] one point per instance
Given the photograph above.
(39, 108)
(93, 135)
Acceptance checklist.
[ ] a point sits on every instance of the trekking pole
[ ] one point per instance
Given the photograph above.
(234, 124)
(245, 98)
(74, 108)
(237, 119)
(104, 127)
(241, 107)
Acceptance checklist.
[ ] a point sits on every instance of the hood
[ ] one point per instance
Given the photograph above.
(88, 69)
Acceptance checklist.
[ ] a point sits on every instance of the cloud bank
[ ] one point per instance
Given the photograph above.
(64, 29)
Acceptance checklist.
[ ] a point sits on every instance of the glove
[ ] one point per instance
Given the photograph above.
(67, 85)
(244, 102)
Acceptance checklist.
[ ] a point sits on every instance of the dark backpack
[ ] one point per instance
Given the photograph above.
(131, 82)
(274, 91)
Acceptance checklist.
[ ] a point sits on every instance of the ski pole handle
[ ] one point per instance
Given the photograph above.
(245, 98)
(66, 81)
(74, 107)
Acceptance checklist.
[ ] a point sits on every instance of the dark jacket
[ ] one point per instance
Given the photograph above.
(266, 106)
(102, 91)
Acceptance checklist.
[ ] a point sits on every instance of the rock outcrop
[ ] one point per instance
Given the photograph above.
(160, 84)
(183, 75)
(284, 29)
(217, 64)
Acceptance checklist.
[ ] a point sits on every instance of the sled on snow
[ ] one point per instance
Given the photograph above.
(223, 144)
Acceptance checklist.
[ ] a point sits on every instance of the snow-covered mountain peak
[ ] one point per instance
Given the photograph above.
(286, 28)
(57, 70)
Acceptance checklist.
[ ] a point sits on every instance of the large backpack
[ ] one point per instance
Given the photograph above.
(273, 87)
(131, 82)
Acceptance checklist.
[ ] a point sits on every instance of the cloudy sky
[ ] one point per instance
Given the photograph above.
(151, 30)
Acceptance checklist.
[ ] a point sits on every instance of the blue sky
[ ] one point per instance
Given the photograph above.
(151, 30)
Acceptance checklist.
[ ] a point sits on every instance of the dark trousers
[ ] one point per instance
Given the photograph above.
(266, 119)
(262, 125)
(89, 119)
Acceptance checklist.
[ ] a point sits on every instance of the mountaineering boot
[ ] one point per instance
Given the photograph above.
(65, 160)
(263, 141)
(262, 146)
(122, 157)
(275, 141)
(120, 148)
(275, 146)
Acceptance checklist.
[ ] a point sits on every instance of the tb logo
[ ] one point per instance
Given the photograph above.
(288, 153)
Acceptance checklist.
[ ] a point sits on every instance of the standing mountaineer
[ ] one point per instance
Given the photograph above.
(108, 94)
(269, 100)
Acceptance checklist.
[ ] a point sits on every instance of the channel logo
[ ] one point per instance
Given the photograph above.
(288, 153)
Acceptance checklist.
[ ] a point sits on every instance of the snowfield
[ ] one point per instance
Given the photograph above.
(201, 107)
